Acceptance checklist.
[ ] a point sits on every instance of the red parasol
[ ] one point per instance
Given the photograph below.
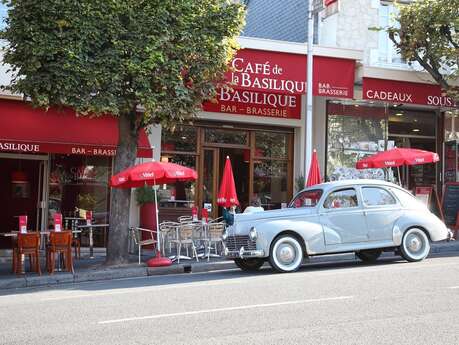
(151, 174)
(314, 171)
(397, 157)
(227, 196)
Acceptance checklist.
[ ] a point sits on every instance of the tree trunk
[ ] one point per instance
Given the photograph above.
(126, 153)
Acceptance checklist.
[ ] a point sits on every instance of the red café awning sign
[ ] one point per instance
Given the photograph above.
(24, 129)
(394, 91)
(270, 84)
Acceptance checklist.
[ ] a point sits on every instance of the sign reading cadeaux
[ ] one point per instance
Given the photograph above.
(394, 91)
(270, 84)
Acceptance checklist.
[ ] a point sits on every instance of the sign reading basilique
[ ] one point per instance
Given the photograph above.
(394, 91)
(270, 84)
(245, 102)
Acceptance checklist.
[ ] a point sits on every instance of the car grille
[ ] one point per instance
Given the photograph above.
(235, 243)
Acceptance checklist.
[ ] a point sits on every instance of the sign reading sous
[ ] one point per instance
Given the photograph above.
(269, 83)
(394, 91)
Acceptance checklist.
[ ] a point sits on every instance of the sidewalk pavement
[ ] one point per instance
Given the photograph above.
(94, 270)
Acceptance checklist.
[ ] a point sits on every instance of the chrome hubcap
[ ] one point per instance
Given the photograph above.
(286, 253)
(414, 244)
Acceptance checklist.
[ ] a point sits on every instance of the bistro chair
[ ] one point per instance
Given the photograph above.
(60, 243)
(185, 219)
(136, 234)
(214, 233)
(187, 234)
(27, 244)
(76, 241)
(167, 232)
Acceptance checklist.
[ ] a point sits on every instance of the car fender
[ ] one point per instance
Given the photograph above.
(435, 228)
(310, 230)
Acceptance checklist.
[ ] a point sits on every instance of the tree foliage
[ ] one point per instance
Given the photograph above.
(163, 57)
(428, 32)
(111, 56)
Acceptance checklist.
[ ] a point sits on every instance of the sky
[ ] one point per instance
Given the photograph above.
(2, 15)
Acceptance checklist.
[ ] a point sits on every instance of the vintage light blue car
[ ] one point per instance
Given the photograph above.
(361, 216)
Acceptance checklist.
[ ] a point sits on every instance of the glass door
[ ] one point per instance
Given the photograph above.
(42, 196)
(209, 178)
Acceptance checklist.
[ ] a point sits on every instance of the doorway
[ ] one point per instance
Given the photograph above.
(213, 164)
(417, 175)
(22, 192)
(409, 128)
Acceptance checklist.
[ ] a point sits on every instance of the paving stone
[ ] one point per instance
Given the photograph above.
(12, 283)
(46, 279)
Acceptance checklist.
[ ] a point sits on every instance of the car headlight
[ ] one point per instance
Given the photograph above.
(253, 234)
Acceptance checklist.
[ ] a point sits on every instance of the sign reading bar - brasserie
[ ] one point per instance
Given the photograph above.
(269, 83)
(18, 147)
(394, 91)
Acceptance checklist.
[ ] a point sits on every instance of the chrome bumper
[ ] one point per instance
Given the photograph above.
(450, 236)
(244, 254)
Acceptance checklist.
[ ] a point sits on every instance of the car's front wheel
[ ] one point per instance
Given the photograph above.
(369, 256)
(415, 245)
(249, 265)
(286, 254)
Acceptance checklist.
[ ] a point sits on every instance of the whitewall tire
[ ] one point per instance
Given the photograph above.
(415, 245)
(286, 254)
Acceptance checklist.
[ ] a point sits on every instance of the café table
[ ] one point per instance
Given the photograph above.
(91, 228)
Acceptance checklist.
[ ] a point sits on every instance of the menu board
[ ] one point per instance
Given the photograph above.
(423, 194)
(451, 202)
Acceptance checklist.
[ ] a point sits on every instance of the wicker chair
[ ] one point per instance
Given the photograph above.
(214, 233)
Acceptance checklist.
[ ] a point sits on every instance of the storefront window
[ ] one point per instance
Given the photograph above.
(270, 183)
(224, 136)
(180, 139)
(174, 143)
(354, 132)
(451, 125)
(80, 182)
(271, 145)
(412, 123)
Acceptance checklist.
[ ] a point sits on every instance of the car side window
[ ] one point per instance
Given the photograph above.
(308, 198)
(343, 198)
(374, 196)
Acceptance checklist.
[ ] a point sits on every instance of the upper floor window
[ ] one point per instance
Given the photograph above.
(387, 53)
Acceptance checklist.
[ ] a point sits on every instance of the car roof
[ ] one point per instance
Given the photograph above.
(352, 183)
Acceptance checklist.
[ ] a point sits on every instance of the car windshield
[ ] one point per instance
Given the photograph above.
(307, 198)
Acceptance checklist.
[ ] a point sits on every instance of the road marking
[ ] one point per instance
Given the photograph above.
(244, 307)
(137, 289)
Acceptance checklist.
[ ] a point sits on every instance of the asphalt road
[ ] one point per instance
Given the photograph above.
(392, 302)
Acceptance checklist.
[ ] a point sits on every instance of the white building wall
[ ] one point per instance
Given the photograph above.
(350, 27)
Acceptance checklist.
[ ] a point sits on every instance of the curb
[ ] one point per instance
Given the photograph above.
(189, 267)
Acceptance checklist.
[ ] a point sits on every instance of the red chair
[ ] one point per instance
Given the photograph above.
(28, 244)
(60, 242)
